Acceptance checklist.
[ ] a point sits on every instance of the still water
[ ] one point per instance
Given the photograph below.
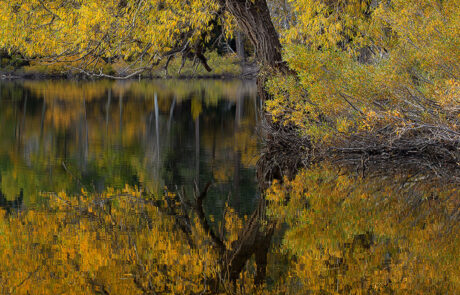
(67, 136)
(97, 197)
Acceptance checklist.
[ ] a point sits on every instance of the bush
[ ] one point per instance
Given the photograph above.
(387, 80)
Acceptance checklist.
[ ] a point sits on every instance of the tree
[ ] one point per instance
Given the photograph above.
(333, 80)
(86, 34)
(372, 77)
(253, 18)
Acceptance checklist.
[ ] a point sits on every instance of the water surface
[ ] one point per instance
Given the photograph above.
(67, 136)
(91, 201)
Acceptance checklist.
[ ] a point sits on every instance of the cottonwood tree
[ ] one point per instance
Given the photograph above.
(85, 34)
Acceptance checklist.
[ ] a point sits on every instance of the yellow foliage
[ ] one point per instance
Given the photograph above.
(109, 241)
(347, 234)
(72, 31)
(363, 67)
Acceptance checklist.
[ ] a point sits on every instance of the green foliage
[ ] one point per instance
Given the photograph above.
(222, 65)
(10, 63)
(226, 65)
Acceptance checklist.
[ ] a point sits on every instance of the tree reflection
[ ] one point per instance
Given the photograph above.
(391, 231)
(334, 228)
(125, 242)
(109, 134)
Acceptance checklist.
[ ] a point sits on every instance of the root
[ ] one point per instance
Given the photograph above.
(286, 152)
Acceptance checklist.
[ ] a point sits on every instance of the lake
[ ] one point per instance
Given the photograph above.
(98, 196)
(68, 136)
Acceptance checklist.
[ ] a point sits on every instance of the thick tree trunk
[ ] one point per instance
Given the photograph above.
(253, 18)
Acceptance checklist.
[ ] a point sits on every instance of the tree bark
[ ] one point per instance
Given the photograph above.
(253, 18)
(240, 47)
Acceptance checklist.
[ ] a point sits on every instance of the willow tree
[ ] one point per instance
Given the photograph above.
(85, 34)
(364, 74)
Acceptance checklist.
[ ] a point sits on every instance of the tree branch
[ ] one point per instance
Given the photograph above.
(204, 222)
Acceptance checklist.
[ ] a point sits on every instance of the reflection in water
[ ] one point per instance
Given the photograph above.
(390, 232)
(64, 136)
(335, 231)
(338, 233)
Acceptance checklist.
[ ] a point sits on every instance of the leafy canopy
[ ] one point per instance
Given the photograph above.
(371, 67)
(90, 31)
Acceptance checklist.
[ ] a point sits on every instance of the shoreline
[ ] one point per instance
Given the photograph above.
(248, 72)
(82, 77)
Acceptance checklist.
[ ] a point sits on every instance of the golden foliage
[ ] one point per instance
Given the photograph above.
(90, 31)
(387, 68)
(387, 234)
(114, 242)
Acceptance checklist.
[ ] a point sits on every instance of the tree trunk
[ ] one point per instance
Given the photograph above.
(253, 18)
(240, 47)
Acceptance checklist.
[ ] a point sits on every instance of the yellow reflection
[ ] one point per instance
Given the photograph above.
(395, 233)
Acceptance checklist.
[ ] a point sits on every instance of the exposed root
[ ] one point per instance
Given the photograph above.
(435, 150)
(286, 151)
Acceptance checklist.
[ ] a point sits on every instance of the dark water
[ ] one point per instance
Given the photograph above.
(91, 201)
(65, 136)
